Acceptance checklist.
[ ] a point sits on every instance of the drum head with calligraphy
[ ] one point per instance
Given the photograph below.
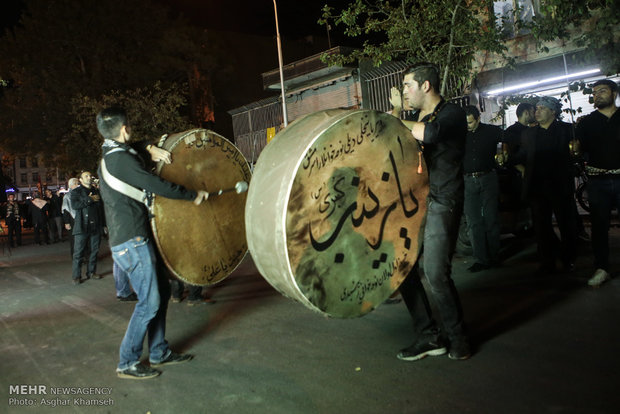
(201, 245)
(354, 212)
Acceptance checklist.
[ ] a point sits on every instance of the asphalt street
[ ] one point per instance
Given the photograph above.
(543, 344)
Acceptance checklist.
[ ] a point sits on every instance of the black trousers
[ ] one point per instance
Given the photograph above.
(15, 230)
(440, 234)
(561, 204)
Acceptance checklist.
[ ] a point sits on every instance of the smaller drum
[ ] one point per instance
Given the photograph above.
(201, 245)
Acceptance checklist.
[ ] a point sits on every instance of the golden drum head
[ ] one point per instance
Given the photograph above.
(201, 245)
(335, 210)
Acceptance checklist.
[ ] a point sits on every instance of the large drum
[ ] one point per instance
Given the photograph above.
(201, 245)
(335, 210)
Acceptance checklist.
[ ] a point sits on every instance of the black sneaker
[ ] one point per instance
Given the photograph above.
(172, 359)
(459, 349)
(130, 298)
(77, 281)
(138, 371)
(421, 350)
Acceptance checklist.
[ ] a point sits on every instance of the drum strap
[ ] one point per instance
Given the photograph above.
(122, 187)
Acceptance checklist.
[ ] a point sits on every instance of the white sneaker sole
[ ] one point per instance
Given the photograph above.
(432, 352)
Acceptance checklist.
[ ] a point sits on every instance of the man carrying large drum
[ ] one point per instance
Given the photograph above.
(441, 127)
(128, 225)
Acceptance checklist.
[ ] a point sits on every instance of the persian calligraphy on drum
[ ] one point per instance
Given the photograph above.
(201, 245)
(335, 210)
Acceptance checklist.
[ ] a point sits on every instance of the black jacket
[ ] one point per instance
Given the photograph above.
(86, 210)
(127, 218)
(547, 159)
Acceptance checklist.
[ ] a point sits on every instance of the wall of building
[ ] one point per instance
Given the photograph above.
(252, 126)
(26, 172)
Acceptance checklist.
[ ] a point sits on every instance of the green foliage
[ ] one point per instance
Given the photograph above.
(592, 24)
(445, 32)
(66, 50)
(510, 100)
(152, 111)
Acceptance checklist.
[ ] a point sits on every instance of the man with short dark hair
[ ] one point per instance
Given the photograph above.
(132, 249)
(441, 127)
(88, 226)
(599, 135)
(526, 117)
(481, 190)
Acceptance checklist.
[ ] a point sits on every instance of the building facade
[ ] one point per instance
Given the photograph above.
(310, 85)
(25, 175)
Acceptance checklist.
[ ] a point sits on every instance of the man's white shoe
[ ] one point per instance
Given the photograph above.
(599, 277)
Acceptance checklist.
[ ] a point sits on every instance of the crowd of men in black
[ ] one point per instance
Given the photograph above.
(544, 152)
(42, 213)
(463, 156)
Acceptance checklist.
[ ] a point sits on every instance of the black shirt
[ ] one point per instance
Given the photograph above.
(600, 139)
(444, 147)
(480, 148)
(512, 136)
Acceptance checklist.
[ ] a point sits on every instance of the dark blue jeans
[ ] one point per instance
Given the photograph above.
(80, 241)
(481, 210)
(603, 195)
(440, 233)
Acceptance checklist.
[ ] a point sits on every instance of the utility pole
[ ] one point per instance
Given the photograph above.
(275, 9)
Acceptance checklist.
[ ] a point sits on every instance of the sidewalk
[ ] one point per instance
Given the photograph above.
(542, 345)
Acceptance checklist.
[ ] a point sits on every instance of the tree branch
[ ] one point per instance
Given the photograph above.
(450, 47)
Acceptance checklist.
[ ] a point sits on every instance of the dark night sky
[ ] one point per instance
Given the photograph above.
(296, 18)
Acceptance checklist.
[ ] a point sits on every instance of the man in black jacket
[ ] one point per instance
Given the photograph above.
(38, 212)
(550, 185)
(55, 216)
(132, 249)
(13, 221)
(87, 226)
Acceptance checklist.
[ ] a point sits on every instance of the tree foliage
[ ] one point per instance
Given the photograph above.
(592, 24)
(445, 32)
(152, 112)
(66, 52)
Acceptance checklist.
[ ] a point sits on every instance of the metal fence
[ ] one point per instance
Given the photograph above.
(380, 81)
(250, 124)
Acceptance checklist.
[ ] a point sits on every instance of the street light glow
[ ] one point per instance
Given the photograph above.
(543, 81)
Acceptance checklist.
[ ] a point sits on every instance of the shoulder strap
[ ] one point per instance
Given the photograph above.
(122, 187)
